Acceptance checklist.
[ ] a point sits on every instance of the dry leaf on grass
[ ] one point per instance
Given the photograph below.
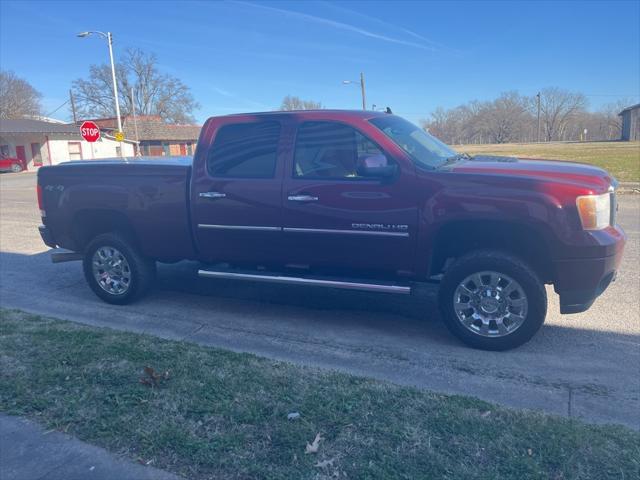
(313, 446)
(153, 378)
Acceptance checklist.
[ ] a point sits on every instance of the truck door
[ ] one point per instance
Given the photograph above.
(236, 193)
(339, 213)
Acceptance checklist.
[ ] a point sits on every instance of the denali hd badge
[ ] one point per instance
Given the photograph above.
(381, 227)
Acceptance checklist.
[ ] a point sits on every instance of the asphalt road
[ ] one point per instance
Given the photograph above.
(585, 365)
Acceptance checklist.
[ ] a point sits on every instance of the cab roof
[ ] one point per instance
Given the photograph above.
(325, 114)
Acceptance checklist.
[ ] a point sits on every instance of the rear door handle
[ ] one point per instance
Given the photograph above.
(302, 198)
(212, 195)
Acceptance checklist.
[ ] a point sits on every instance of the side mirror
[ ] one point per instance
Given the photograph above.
(376, 165)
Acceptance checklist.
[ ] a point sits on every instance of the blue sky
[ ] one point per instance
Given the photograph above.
(242, 56)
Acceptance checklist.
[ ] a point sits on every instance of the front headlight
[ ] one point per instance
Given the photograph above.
(594, 211)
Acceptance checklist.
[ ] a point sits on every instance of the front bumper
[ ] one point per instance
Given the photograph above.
(47, 237)
(579, 281)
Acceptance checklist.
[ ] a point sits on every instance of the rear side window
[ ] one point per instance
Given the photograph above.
(330, 150)
(245, 150)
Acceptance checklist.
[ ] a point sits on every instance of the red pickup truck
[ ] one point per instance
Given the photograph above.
(341, 199)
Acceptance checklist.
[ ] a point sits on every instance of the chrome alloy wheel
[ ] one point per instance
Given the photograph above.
(111, 270)
(490, 304)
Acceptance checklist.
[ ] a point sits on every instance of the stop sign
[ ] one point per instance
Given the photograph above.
(90, 131)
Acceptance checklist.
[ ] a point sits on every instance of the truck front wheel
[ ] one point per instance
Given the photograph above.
(115, 270)
(492, 300)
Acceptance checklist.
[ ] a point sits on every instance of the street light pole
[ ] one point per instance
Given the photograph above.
(109, 39)
(115, 84)
(362, 89)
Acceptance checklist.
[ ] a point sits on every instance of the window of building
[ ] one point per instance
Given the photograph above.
(247, 150)
(75, 151)
(35, 154)
(4, 150)
(331, 150)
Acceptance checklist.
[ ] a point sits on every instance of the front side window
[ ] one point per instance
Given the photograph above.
(332, 150)
(426, 151)
(245, 150)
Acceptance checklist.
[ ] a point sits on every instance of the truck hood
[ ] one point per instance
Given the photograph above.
(544, 170)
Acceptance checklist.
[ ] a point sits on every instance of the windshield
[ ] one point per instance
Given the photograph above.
(426, 150)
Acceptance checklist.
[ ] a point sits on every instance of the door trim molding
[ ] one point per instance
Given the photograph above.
(240, 227)
(330, 231)
(345, 232)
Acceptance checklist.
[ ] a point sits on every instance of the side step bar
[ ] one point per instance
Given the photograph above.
(316, 282)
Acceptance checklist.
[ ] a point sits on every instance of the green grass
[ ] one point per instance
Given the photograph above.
(224, 415)
(622, 159)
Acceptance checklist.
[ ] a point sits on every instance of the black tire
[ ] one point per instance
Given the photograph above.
(141, 270)
(503, 263)
(16, 168)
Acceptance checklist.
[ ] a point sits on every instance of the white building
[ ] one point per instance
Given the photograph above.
(39, 142)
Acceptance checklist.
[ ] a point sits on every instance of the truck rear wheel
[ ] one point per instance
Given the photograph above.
(115, 270)
(492, 300)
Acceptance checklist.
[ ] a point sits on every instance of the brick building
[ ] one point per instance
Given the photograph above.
(155, 136)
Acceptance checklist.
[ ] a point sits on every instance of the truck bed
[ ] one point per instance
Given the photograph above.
(149, 194)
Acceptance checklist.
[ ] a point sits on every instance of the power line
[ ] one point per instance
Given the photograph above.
(49, 114)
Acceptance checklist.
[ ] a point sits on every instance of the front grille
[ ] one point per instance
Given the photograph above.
(614, 208)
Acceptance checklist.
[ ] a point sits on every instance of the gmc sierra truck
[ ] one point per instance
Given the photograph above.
(342, 199)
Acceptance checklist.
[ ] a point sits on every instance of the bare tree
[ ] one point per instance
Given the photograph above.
(506, 118)
(295, 103)
(17, 97)
(155, 93)
(558, 108)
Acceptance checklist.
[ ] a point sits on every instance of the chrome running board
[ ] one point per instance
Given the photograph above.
(316, 282)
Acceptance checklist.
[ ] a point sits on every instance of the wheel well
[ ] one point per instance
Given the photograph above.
(87, 224)
(456, 239)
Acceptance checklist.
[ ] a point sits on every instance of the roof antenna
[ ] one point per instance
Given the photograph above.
(388, 110)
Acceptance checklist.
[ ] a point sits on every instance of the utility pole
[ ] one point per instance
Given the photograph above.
(135, 121)
(73, 107)
(538, 98)
(364, 97)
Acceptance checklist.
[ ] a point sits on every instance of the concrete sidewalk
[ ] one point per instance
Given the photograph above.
(28, 452)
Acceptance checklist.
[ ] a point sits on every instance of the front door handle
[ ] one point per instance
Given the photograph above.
(302, 198)
(213, 195)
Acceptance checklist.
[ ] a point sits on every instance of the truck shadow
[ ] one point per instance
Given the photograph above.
(298, 307)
